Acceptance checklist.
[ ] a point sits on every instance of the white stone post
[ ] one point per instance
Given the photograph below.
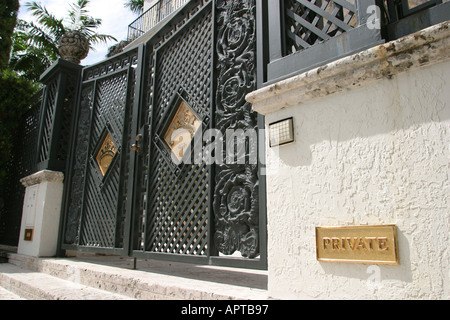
(371, 149)
(41, 214)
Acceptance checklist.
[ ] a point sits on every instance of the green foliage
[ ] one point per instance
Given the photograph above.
(15, 98)
(51, 29)
(29, 60)
(8, 18)
(135, 6)
(35, 45)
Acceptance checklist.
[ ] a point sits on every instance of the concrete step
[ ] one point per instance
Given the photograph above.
(8, 295)
(153, 280)
(4, 251)
(21, 283)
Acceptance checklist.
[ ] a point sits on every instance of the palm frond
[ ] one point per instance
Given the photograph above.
(46, 19)
(36, 43)
(77, 12)
(35, 36)
(100, 38)
(135, 6)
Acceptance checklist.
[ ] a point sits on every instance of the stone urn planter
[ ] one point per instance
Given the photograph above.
(73, 46)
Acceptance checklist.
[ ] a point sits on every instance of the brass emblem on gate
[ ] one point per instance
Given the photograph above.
(175, 136)
(181, 130)
(106, 154)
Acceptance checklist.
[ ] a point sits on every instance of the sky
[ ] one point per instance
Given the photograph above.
(115, 20)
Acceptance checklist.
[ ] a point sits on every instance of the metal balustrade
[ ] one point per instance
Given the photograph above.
(150, 18)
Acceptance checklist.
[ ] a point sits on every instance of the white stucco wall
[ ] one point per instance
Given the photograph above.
(374, 152)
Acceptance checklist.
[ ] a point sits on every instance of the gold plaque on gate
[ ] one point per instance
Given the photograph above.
(362, 244)
(106, 154)
(182, 130)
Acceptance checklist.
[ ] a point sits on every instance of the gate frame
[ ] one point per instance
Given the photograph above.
(70, 163)
(212, 257)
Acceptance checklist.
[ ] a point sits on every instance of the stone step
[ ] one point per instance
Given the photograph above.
(4, 251)
(29, 285)
(153, 280)
(40, 286)
(8, 295)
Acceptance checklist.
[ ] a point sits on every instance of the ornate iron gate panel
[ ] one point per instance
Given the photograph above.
(96, 204)
(198, 70)
(178, 202)
(149, 114)
(236, 190)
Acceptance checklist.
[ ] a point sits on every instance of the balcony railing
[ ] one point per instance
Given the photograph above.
(150, 18)
(296, 36)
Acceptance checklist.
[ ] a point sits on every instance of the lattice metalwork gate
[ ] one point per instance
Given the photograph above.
(147, 113)
(96, 202)
(311, 22)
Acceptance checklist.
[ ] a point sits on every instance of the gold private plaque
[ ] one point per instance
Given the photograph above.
(106, 154)
(181, 130)
(361, 244)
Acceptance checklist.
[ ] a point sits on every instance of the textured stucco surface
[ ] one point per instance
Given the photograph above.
(375, 154)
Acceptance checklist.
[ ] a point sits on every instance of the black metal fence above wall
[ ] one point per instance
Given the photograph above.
(42, 143)
(23, 162)
(299, 35)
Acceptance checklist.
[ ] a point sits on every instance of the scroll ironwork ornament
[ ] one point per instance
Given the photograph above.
(236, 203)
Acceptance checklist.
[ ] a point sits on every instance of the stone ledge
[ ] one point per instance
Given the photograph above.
(42, 176)
(426, 47)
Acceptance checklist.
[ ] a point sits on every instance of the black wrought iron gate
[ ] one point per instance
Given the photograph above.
(141, 180)
(97, 185)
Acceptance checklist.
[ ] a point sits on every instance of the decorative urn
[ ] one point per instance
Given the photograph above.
(73, 46)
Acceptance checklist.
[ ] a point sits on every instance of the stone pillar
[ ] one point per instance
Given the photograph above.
(371, 148)
(41, 214)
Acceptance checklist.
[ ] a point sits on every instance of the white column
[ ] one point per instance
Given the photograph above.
(41, 214)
